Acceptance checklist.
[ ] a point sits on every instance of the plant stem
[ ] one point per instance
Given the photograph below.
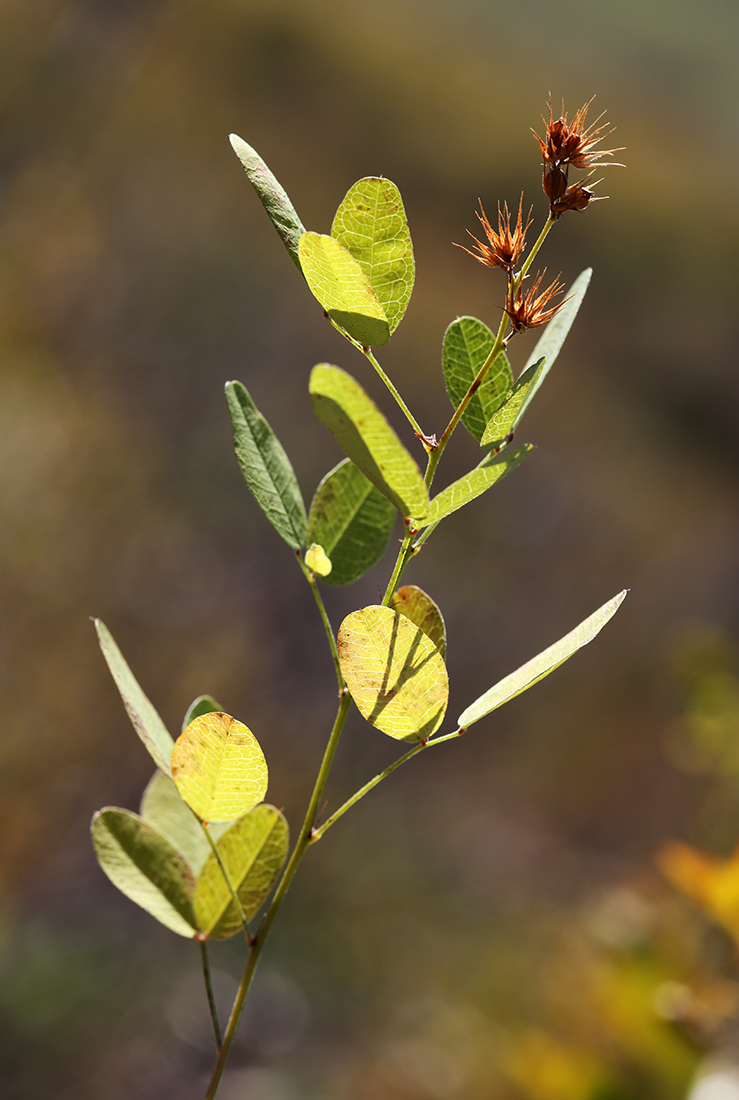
(318, 833)
(406, 411)
(229, 884)
(401, 561)
(324, 619)
(209, 994)
(534, 249)
(297, 854)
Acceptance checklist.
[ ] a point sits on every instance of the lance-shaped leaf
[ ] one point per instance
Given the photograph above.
(351, 520)
(417, 606)
(371, 225)
(266, 468)
(219, 767)
(163, 807)
(467, 344)
(252, 850)
(506, 419)
(145, 720)
(341, 286)
(274, 198)
(366, 437)
(539, 667)
(395, 673)
(144, 866)
(555, 334)
(492, 468)
(204, 704)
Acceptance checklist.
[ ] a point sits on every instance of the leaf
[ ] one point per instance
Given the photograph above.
(365, 435)
(266, 468)
(492, 468)
(273, 195)
(145, 720)
(371, 225)
(163, 807)
(351, 520)
(555, 334)
(506, 419)
(467, 344)
(539, 667)
(204, 704)
(317, 561)
(395, 673)
(145, 867)
(341, 286)
(417, 606)
(253, 850)
(219, 768)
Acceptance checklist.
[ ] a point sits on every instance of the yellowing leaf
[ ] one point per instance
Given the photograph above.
(219, 768)
(338, 282)
(317, 560)
(395, 673)
(417, 606)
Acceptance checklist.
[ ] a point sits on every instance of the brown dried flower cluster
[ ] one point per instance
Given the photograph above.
(505, 247)
(571, 145)
(529, 310)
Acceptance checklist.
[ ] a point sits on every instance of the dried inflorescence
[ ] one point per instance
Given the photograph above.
(505, 247)
(529, 310)
(571, 145)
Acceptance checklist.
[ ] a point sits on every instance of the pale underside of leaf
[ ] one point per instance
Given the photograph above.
(273, 197)
(539, 667)
(395, 673)
(351, 520)
(144, 718)
(219, 768)
(145, 867)
(371, 225)
(266, 468)
(252, 849)
(418, 606)
(164, 808)
(492, 468)
(342, 288)
(507, 418)
(467, 344)
(366, 437)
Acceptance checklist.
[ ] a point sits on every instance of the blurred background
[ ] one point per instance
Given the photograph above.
(492, 923)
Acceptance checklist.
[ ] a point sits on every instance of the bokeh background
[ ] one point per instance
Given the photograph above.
(491, 924)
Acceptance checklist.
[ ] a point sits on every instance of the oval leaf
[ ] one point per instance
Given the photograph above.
(365, 435)
(395, 673)
(163, 807)
(144, 718)
(252, 850)
(204, 704)
(341, 286)
(506, 419)
(492, 468)
(351, 520)
(266, 468)
(467, 344)
(145, 867)
(273, 196)
(219, 768)
(416, 605)
(539, 667)
(371, 225)
(317, 561)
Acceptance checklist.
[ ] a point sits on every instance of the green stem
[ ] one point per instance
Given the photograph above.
(401, 561)
(298, 852)
(209, 992)
(227, 879)
(324, 619)
(406, 411)
(535, 248)
(318, 833)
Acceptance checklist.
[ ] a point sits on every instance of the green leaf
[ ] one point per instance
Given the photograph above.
(416, 605)
(506, 419)
(145, 720)
(219, 768)
(252, 850)
(467, 344)
(274, 198)
(351, 520)
(204, 704)
(371, 225)
(395, 673)
(366, 437)
(492, 468)
(266, 468)
(341, 286)
(555, 334)
(539, 667)
(162, 807)
(317, 560)
(145, 867)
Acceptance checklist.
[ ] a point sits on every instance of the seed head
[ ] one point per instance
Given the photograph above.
(577, 196)
(572, 143)
(529, 310)
(506, 246)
